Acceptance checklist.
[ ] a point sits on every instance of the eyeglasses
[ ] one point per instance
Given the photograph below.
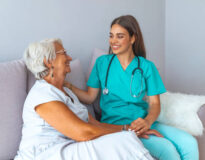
(62, 51)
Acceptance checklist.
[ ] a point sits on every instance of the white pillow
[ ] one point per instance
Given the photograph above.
(180, 110)
(76, 76)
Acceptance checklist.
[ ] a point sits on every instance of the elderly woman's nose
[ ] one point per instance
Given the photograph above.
(69, 58)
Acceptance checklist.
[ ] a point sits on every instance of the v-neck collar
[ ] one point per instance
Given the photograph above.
(132, 63)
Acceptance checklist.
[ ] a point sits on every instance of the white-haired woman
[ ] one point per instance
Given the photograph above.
(57, 126)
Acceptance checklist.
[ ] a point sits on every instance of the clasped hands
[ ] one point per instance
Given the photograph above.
(142, 128)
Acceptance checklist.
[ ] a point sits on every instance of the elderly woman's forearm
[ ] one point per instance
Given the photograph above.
(93, 132)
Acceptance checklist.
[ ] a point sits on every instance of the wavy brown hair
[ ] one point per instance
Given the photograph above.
(131, 25)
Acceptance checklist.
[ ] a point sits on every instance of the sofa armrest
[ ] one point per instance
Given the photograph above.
(201, 139)
(201, 114)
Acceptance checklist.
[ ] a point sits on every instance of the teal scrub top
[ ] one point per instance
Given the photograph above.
(119, 106)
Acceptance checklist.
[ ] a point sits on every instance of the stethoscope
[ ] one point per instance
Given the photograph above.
(106, 91)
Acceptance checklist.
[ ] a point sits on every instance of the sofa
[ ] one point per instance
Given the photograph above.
(15, 83)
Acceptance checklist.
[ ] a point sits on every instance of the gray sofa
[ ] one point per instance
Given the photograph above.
(15, 82)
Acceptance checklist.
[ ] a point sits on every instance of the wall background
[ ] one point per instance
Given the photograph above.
(82, 25)
(185, 46)
(173, 32)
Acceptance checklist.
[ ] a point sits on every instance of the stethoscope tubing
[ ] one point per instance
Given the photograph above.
(106, 91)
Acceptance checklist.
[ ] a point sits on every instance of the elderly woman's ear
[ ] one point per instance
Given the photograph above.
(48, 63)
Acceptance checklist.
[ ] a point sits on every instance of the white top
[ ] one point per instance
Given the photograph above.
(36, 130)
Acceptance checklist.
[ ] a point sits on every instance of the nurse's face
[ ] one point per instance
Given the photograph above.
(120, 40)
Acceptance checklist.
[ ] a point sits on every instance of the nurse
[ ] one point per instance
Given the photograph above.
(125, 76)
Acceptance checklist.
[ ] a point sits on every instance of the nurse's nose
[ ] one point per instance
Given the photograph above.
(114, 40)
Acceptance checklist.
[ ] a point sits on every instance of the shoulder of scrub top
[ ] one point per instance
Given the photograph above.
(146, 65)
(103, 59)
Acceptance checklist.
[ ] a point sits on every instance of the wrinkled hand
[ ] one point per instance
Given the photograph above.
(149, 132)
(140, 126)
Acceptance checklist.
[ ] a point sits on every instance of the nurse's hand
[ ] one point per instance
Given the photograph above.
(67, 84)
(150, 132)
(140, 126)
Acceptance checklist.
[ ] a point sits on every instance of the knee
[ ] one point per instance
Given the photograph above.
(163, 149)
(169, 152)
(192, 141)
(189, 146)
(188, 141)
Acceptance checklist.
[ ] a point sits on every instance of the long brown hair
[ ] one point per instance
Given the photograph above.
(131, 25)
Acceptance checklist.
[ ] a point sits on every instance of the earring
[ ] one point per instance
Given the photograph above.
(52, 71)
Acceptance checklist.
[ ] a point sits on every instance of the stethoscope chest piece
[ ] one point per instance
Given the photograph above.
(105, 91)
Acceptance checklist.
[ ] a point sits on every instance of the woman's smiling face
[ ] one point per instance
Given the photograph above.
(61, 63)
(120, 40)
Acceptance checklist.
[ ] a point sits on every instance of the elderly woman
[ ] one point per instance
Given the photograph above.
(57, 126)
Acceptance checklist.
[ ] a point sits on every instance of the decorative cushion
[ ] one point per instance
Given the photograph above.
(96, 53)
(180, 110)
(76, 76)
(12, 94)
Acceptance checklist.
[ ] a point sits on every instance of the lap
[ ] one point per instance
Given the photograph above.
(161, 148)
(175, 141)
(175, 135)
(118, 146)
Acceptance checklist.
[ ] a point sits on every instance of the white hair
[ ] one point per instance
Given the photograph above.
(35, 54)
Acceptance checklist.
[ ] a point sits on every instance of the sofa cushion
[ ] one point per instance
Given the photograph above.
(96, 53)
(76, 76)
(13, 93)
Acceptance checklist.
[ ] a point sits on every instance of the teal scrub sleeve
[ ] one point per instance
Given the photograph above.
(93, 80)
(154, 82)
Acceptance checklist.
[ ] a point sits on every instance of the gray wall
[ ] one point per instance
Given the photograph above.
(185, 46)
(82, 25)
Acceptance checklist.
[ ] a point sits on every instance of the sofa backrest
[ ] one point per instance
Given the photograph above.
(13, 80)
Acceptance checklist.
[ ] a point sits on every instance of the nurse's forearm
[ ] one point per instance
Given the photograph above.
(82, 95)
(153, 113)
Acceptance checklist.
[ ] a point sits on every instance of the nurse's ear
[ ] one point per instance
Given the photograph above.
(133, 39)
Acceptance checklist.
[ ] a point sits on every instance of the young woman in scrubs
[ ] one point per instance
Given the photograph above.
(125, 76)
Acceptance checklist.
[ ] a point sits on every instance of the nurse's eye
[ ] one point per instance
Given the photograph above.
(120, 36)
(111, 36)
